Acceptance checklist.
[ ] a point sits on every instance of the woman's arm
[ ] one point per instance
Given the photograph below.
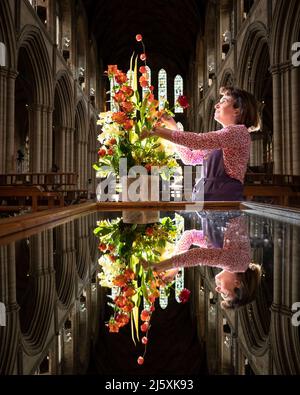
(225, 138)
(187, 156)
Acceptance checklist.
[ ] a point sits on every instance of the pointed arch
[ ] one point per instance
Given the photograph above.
(32, 43)
(64, 92)
(7, 35)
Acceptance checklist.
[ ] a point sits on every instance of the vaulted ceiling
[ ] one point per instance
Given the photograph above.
(169, 29)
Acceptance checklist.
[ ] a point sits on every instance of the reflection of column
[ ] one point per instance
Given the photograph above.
(295, 111)
(277, 111)
(9, 335)
(278, 260)
(295, 265)
(7, 119)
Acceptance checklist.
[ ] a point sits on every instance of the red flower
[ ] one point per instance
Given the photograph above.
(143, 56)
(110, 151)
(119, 117)
(129, 274)
(102, 247)
(143, 69)
(183, 101)
(127, 90)
(120, 281)
(138, 37)
(120, 301)
(122, 319)
(184, 295)
(145, 315)
(102, 152)
(128, 291)
(140, 360)
(112, 69)
(120, 77)
(127, 106)
(113, 326)
(128, 124)
(112, 141)
(149, 231)
(143, 81)
(119, 96)
(145, 326)
(144, 340)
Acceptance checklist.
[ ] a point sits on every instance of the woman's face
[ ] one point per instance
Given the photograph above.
(225, 113)
(225, 284)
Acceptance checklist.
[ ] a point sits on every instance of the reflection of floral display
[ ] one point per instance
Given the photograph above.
(121, 129)
(124, 247)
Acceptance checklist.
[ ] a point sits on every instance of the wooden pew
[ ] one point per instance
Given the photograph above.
(37, 197)
(281, 194)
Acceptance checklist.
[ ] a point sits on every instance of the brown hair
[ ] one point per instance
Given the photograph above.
(247, 105)
(250, 281)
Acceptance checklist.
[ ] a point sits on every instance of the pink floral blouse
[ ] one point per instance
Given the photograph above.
(234, 140)
(235, 255)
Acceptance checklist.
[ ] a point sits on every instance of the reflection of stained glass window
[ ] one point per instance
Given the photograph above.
(178, 91)
(162, 88)
(145, 90)
(130, 77)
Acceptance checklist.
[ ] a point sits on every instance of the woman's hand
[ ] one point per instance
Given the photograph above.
(168, 121)
(146, 133)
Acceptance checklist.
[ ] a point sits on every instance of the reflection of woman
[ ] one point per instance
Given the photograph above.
(224, 153)
(238, 281)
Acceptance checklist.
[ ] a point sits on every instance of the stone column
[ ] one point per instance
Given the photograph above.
(295, 111)
(7, 119)
(286, 120)
(277, 120)
(40, 140)
(69, 150)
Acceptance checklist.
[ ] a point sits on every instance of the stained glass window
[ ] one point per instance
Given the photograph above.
(162, 88)
(113, 105)
(145, 90)
(178, 91)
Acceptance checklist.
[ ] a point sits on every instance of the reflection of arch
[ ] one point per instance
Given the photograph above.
(38, 300)
(285, 343)
(63, 264)
(7, 34)
(82, 247)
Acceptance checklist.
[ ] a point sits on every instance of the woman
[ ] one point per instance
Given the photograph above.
(223, 153)
(238, 281)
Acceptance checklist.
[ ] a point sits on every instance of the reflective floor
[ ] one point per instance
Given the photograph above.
(231, 306)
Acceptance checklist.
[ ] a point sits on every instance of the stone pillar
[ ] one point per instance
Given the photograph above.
(295, 111)
(277, 121)
(286, 119)
(40, 137)
(7, 119)
(69, 150)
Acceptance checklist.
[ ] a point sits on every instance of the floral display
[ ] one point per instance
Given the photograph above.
(123, 247)
(121, 129)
